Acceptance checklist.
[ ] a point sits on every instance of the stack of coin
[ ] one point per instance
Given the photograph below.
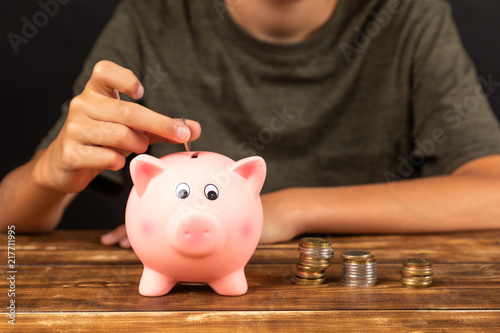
(417, 273)
(315, 255)
(359, 269)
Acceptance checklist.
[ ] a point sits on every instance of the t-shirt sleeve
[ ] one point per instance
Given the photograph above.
(453, 121)
(118, 43)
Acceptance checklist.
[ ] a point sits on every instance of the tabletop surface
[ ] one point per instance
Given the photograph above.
(67, 281)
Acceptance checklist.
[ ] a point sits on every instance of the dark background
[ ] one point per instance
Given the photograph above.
(37, 80)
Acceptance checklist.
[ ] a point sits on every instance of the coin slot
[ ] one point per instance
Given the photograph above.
(195, 154)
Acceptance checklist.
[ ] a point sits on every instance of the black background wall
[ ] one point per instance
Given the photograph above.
(36, 80)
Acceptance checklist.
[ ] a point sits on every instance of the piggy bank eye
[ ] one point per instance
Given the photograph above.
(211, 192)
(182, 191)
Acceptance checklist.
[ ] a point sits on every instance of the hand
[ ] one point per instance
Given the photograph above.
(117, 236)
(101, 131)
(281, 216)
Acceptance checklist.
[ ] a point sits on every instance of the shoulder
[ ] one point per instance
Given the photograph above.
(401, 10)
(425, 6)
(419, 12)
(400, 17)
(408, 6)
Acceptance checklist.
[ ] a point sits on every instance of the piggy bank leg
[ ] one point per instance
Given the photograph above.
(154, 283)
(234, 284)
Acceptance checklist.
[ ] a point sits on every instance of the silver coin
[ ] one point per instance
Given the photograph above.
(360, 279)
(348, 269)
(314, 254)
(346, 264)
(359, 268)
(360, 276)
(187, 145)
(359, 285)
(304, 249)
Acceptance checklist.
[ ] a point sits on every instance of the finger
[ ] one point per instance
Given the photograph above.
(194, 128)
(139, 117)
(124, 243)
(112, 135)
(114, 236)
(78, 157)
(107, 77)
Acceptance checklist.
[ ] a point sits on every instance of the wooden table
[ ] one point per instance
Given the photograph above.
(67, 282)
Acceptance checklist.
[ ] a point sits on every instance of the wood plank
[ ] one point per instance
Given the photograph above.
(68, 247)
(115, 288)
(258, 321)
(89, 239)
(83, 247)
(115, 255)
(66, 276)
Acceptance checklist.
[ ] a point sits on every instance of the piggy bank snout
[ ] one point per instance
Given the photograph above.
(198, 236)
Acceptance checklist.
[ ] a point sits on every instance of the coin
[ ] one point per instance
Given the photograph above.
(305, 268)
(359, 284)
(358, 265)
(359, 261)
(359, 269)
(417, 269)
(313, 242)
(356, 277)
(314, 258)
(418, 279)
(316, 253)
(415, 287)
(360, 272)
(417, 273)
(310, 275)
(310, 282)
(417, 262)
(187, 145)
(313, 262)
(420, 284)
(356, 255)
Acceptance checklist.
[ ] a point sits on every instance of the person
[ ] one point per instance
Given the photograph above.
(369, 114)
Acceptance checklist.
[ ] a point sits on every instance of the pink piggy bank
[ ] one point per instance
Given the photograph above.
(195, 217)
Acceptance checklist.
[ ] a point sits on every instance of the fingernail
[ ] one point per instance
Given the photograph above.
(182, 133)
(140, 92)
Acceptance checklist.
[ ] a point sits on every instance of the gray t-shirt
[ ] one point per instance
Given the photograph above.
(384, 91)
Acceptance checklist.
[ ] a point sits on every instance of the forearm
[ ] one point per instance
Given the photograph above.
(28, 205)
(447, 203)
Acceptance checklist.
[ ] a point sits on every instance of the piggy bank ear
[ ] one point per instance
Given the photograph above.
(253, 169)
(143, 168)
